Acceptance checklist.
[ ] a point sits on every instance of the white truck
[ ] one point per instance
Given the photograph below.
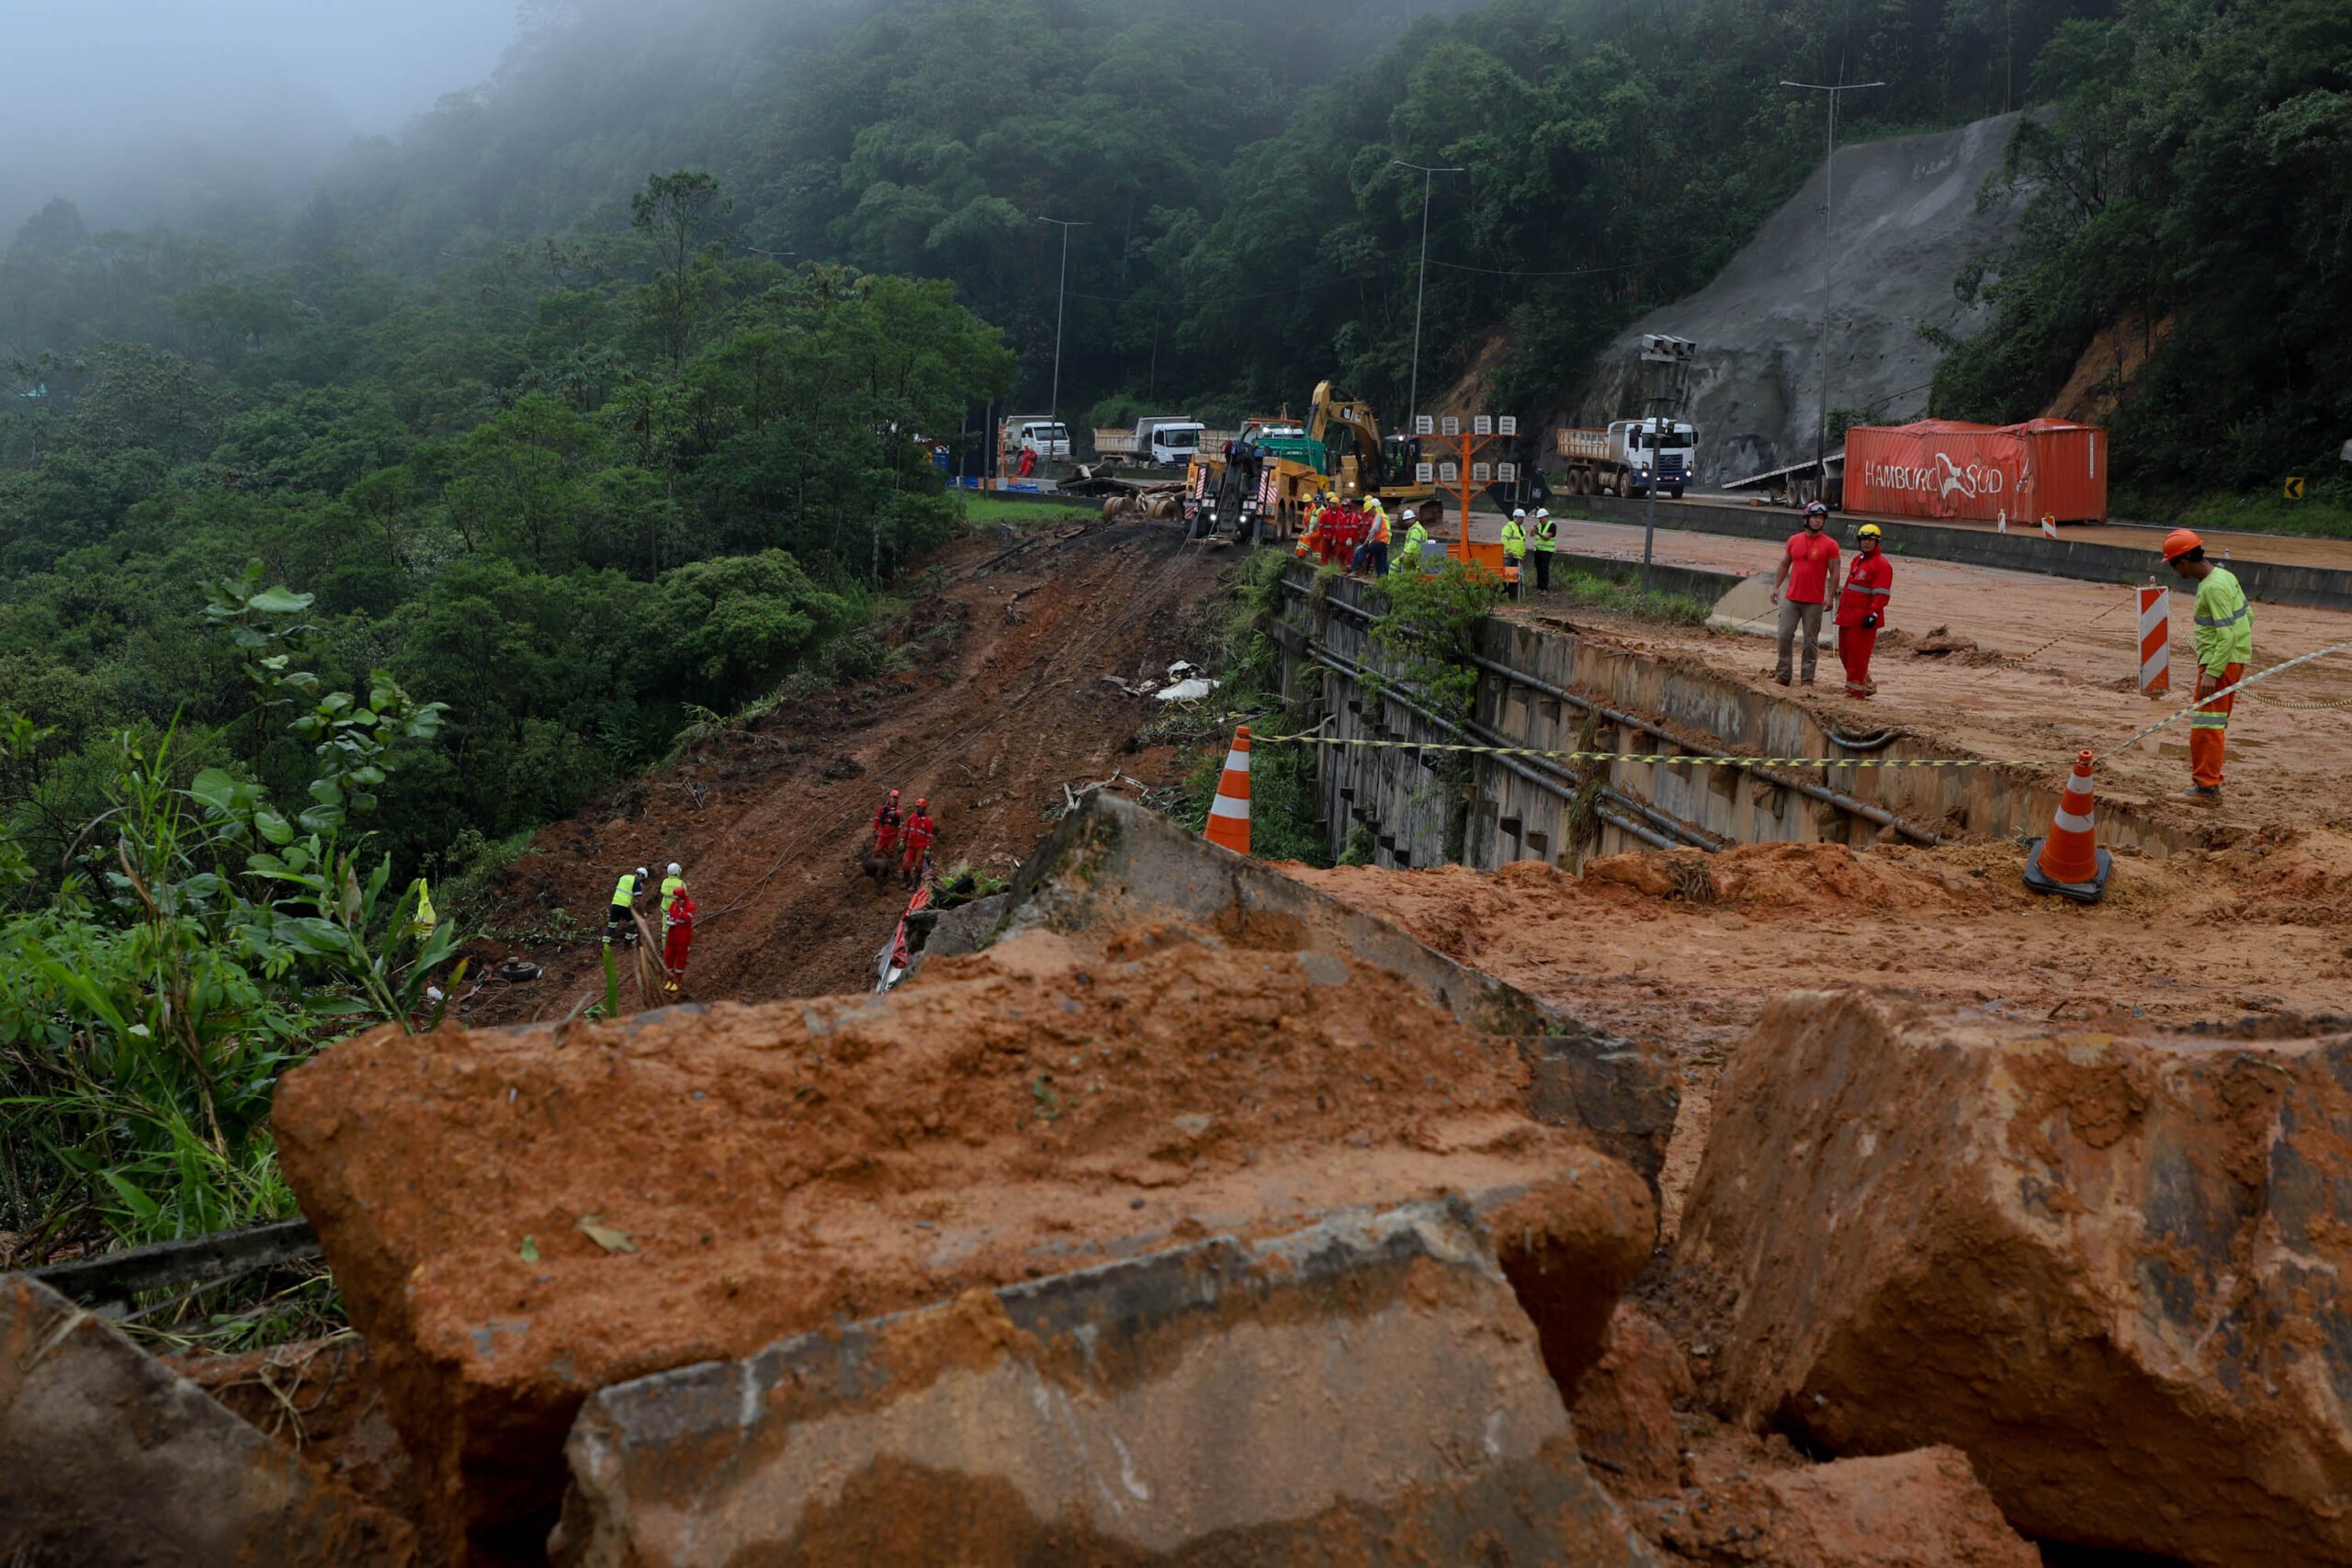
(1164, 441)
(1630, 457)
(1041, 433)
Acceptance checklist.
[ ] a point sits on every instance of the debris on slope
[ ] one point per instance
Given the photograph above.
(2107, 1267)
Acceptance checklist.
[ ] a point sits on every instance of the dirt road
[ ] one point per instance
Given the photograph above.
(768, 817)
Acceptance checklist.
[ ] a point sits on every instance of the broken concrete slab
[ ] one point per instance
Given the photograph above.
(2109, 1269)
(698, 1184)
(1367, 1387)
(1112, 865)
(107, 1458)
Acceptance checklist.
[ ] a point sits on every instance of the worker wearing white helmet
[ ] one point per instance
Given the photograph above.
(671, 886)
(1514, 547)
(1542, 540)
(1416, 535)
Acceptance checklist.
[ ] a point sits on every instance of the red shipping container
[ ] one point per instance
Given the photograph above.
(1939, 468)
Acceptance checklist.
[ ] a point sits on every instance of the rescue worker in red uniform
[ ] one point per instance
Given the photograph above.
(919, 832)
(886, 823)
(1861, 609)
(678, 936)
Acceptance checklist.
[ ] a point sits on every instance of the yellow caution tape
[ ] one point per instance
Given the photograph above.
(1701, 760)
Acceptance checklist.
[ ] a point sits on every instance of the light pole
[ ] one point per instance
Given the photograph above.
(1421, 290)
(1828, 252)
(1054, 409)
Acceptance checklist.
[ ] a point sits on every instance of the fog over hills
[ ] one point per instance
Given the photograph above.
(174, 111)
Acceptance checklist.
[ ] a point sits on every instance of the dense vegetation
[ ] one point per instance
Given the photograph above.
(2190, 188)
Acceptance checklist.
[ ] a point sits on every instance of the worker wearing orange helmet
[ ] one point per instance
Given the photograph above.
(1861, 609)
(2224, 648)
(919, 831)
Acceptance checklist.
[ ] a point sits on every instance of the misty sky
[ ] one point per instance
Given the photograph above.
(379, 61)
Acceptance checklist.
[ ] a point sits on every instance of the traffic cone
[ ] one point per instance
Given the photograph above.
(1229, 813)
(2069, 862)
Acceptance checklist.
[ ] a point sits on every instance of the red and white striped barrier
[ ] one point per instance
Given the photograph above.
(2156, 640)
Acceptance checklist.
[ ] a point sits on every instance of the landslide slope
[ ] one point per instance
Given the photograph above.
(1005, 704)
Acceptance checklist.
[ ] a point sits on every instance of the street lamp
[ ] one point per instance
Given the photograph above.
(1421, 290)
(1054, 409)
(1828, 252)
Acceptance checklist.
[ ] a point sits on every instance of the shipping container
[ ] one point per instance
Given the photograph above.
(2045, 467)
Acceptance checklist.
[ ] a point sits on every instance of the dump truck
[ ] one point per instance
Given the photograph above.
(1281, 463)
(1628, 456)
(1163, 440)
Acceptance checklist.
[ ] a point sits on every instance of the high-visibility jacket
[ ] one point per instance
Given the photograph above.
(671, 886)
(1414, 537)
(1514, 539)
(625, 891)
(1547, 534)
(1379, 528)
(1870, 581)
(2224, 623)
(921, 830)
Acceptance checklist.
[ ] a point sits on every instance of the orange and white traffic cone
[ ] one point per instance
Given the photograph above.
(2069, 862)
(1229, 822)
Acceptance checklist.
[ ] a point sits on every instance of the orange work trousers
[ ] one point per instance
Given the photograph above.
(2209, 726)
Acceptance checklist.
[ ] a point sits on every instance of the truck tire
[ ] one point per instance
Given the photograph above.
(1676, 492)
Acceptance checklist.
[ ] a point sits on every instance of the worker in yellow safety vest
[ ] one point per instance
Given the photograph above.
(2224, 648)
(1415, 537)
(669, 886)
(1514, 547)
(620, 921)
(1544, 538)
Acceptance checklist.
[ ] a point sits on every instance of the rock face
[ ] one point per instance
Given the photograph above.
(107, 1458)
(1906, 222)
(2110, 1269)
(1922, 1509)
(1368, 1389)
(520, 1217)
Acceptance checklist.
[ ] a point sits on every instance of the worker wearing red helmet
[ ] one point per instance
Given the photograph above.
(919, 832)
(1861, 609)
(2224, 624)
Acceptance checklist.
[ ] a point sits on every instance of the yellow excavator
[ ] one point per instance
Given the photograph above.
(1280, 464)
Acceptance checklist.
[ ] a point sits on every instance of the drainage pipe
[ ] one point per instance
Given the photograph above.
(1822, 792)
(1633, 829)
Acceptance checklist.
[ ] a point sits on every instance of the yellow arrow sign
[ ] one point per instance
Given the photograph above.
(2295, 486)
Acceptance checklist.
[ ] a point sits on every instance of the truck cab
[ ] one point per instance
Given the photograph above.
(1663, 453)
(1048, 438)
(1167, 442)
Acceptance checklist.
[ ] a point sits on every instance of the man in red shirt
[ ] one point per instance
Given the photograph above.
(1861, 609)
(1809, 574)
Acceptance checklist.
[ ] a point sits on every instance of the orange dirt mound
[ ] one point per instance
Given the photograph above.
(519, 1218)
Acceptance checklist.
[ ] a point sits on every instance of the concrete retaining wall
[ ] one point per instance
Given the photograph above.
(2317, 588)
(1520, 809)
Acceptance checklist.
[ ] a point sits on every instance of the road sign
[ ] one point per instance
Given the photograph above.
(2295, 486)
(1449, 473)
(1508, 473)
(1423, 424)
